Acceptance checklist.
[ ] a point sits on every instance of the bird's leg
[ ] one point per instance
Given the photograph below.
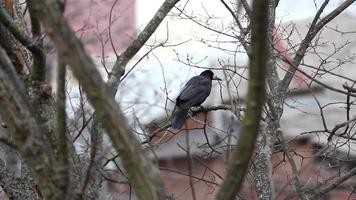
(196, 109)
(200, 107)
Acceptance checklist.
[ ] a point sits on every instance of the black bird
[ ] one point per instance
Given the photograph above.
(194, 93)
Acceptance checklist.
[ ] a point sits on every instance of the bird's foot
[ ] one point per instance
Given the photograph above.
(200, 107)
(196, 108)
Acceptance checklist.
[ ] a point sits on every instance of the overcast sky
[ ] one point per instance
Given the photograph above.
(301, 9)
(288, 9)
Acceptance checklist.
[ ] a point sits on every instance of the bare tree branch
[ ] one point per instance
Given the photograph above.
(11, 46)
(349, 88)
(26, 133)
(246, 7)
(335, 183)
(264, 148)
(63, 163)
(90, 183)
(254, 103)
(141, 171)
(243, 31)
(297, 185)
(262, 169)
(194, 113)
(316, 80)
(32, 45)
(39, 65)
(338, 126)
(14, 187)
(121, 62)
(313, 31)
(190, 163)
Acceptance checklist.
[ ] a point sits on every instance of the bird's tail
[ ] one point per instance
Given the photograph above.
(178, 117)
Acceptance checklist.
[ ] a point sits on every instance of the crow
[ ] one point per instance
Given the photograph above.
(194, 93)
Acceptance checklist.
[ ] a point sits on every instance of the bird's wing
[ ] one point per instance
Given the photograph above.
(194, 87)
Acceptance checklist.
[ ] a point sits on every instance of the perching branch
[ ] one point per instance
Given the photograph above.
(194, 113)
(216, 108)
(254, 103)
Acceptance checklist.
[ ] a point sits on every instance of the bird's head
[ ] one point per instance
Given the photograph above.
(210, 74)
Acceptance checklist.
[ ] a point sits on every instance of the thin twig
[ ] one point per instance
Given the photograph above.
(313, 31)
(297, 185)
(122, 60)
(334, 184)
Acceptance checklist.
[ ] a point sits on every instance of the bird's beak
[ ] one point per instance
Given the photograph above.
(216, 78)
